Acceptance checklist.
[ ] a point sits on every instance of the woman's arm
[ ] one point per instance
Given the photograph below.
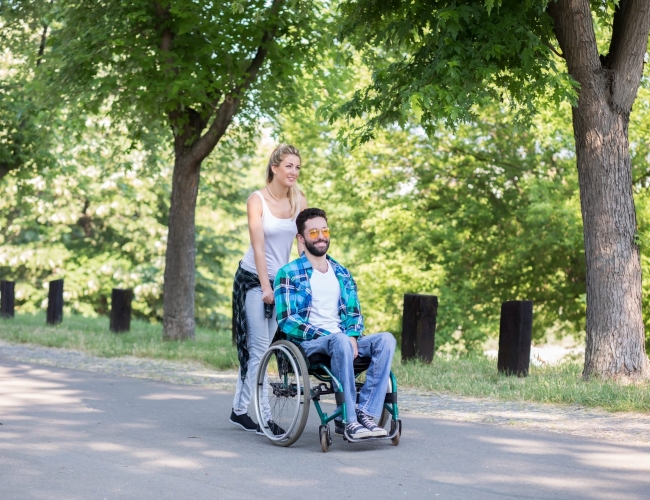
(254, 209)
(303, 205)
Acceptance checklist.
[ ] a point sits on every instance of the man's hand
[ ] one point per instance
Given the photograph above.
(355, 347)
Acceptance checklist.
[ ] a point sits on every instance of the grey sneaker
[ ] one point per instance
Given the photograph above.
(357, 431)
(369, 423)
(244, 421)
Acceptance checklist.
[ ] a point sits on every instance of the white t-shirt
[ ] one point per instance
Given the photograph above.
(279, 235)
(325, 295)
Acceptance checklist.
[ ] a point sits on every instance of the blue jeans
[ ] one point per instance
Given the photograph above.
(380, 347)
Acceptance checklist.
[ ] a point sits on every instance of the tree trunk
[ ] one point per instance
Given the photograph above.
(608, 87)
(615, 331)
(178, 290)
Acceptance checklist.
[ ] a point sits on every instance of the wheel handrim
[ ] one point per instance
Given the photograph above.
(284, 393)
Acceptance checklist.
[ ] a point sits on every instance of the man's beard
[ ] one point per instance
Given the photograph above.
(317, 252)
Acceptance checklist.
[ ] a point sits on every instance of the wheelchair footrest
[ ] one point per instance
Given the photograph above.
(397, 430)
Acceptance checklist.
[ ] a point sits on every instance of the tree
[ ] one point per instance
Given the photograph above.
(478, 215)
(444, 59)
(97, 217)
(191, 66)
(24, 123)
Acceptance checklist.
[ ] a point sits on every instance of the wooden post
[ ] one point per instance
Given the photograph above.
(121, 310)
(515, 335)
(7, 299)
(419, 326)
(55, 303)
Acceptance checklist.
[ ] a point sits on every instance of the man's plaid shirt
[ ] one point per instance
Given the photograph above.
(293, 300)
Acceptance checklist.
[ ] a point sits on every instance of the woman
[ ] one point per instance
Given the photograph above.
(272, 213)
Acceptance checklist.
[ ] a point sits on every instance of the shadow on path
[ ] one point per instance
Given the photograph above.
(75, 435)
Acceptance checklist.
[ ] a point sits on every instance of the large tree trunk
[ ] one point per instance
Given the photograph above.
(178, 290)
(615, 332)
(608, 87)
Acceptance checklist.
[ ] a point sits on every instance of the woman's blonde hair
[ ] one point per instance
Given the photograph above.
(277, 156)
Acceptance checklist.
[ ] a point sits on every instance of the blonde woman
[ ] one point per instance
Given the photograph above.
(272, 213)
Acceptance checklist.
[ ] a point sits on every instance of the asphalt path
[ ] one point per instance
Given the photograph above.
(69, 434)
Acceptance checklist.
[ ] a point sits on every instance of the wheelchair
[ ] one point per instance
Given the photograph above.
(283, 386)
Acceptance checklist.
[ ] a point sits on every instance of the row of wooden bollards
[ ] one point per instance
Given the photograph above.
(418, 324)
(120, 305)
(515, 332)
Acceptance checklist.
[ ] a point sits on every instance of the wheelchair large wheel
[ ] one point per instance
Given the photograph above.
(282, 392)
(385, 414)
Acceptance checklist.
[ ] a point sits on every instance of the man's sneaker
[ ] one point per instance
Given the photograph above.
(357, 431)
(339, 428)
(369, 423)
(275, 429)
(244, 421)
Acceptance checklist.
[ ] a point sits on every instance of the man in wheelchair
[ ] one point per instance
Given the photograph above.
(317, 305)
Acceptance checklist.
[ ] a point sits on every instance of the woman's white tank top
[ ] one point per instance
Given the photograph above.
(278, 239)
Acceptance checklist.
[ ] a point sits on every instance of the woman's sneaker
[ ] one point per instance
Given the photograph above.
(275, 429)
(339, 428)
(357, 431)
(369, 423)
(244, 421)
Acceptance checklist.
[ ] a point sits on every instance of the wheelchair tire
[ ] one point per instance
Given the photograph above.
(325, 438)
(395, 440)
(283, 372)
(385, 414)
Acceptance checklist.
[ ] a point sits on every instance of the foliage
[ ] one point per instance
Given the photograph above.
(436, 59)
(24, 122)
(98, 220)
(482, 214)
(640, 151)
(178, 60)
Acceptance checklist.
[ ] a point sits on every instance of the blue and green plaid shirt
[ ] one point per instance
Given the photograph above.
(293, 300)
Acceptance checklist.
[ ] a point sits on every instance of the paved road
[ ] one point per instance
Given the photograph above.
(69, 434)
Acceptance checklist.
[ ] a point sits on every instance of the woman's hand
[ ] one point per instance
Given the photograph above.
(267, 296)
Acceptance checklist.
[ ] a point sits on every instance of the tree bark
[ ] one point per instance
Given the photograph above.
(608, 86)
(178, 289)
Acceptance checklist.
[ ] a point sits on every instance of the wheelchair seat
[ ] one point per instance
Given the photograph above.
(360, 364)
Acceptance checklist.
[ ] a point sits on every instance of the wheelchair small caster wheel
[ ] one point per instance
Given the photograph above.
(395, 439)
(325, 438)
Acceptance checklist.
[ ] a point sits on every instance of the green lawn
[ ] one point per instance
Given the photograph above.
(468, 376)
(92, 336)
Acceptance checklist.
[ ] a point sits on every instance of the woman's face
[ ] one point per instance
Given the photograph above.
(287, 172)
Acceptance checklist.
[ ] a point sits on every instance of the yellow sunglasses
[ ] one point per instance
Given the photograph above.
(313, 233)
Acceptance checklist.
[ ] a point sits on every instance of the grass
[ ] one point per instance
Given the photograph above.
(474, 376)
(92, 336)
(477, 376)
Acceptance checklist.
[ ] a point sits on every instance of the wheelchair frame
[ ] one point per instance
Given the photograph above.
(328, 384)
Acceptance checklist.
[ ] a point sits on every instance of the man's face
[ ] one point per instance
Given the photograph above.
(319, 245)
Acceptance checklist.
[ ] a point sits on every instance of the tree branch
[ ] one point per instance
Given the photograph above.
(574, 30)
(617, 29)
(627, 50)
(553, 49)
(167, 36)
(231, 101)
(641, 178)
(41, 47)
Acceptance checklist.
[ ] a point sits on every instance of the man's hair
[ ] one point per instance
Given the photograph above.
(306, 214)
